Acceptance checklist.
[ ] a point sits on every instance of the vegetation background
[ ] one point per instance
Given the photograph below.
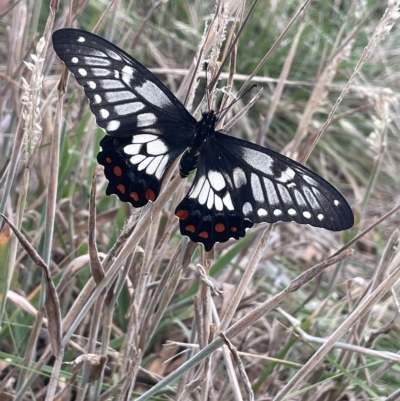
(298, 323)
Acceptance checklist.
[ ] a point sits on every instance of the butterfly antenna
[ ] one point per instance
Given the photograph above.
(236, 100)
(207, 89)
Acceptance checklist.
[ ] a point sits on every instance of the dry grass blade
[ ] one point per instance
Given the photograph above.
(239, 364)
(381, 31)
(134, 363)
(357, 314)
(246, 322)
(245, 280)
(51, 303)
(95, 263)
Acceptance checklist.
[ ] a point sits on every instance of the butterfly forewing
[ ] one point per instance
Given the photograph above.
(148, 127)
(243, 183)
(270, 187)
(124, 95)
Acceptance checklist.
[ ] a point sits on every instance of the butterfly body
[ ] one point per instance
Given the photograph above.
(236, 184)
(204, 130)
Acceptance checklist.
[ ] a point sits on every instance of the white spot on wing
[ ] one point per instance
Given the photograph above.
(91, 84)
(320, 217)
(132, 149)
(285, 195)
(307, 215)
(299, 199)
(81, 39)
(154, 165)
(128, 108)
(257, 160)
(256, 188)
(113, 55)
(218, 203)
(97, 62)
(128, 70)
(145, 163)
(127, 74)
(217, 180)
(121, 96)
(239, 177)
(210, 200)
(292, 212)
(96, 52)
(97, 99)
(271, 192)
(100, 72)
(161, 168)
(286, 175)
(113, 125)
(156, 147)
(310, 180)
(111, 84)
(137, 158)
(336, 202)
(104, 113)
(196, 189)
(277, 212)
(204, 193)
(74, 60)
(153, 94)
(312, 200)
(228, 202)
(247, 208)
(146, 119)
(262, 212)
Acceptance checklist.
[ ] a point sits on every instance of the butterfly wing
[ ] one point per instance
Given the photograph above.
(148, 126)
(239, 183)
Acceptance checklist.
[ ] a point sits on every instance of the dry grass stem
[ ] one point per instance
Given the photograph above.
(357, 313)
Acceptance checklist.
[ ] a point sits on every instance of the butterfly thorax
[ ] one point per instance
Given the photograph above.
(202, 131)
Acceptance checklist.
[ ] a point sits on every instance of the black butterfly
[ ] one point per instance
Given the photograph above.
(237, 183)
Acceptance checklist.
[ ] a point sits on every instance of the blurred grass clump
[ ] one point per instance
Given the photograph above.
(101, 301)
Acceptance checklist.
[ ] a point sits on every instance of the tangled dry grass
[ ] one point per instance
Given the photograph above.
(100, 301)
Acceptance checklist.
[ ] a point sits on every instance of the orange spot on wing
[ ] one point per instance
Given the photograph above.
(219, 227)
(190, 228)
(121, 188)
(150, 195)
(117, 171)
(182, 214)
(134, 196)
(203, 234)
(108, 160)
(233, 229)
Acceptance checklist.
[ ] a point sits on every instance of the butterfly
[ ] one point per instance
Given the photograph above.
(236, 184)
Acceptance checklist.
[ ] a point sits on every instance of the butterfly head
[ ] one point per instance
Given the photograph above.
(209, 118)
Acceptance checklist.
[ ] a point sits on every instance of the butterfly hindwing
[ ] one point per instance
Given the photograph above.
(135, 167)
(148, 127)
(242, 183)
